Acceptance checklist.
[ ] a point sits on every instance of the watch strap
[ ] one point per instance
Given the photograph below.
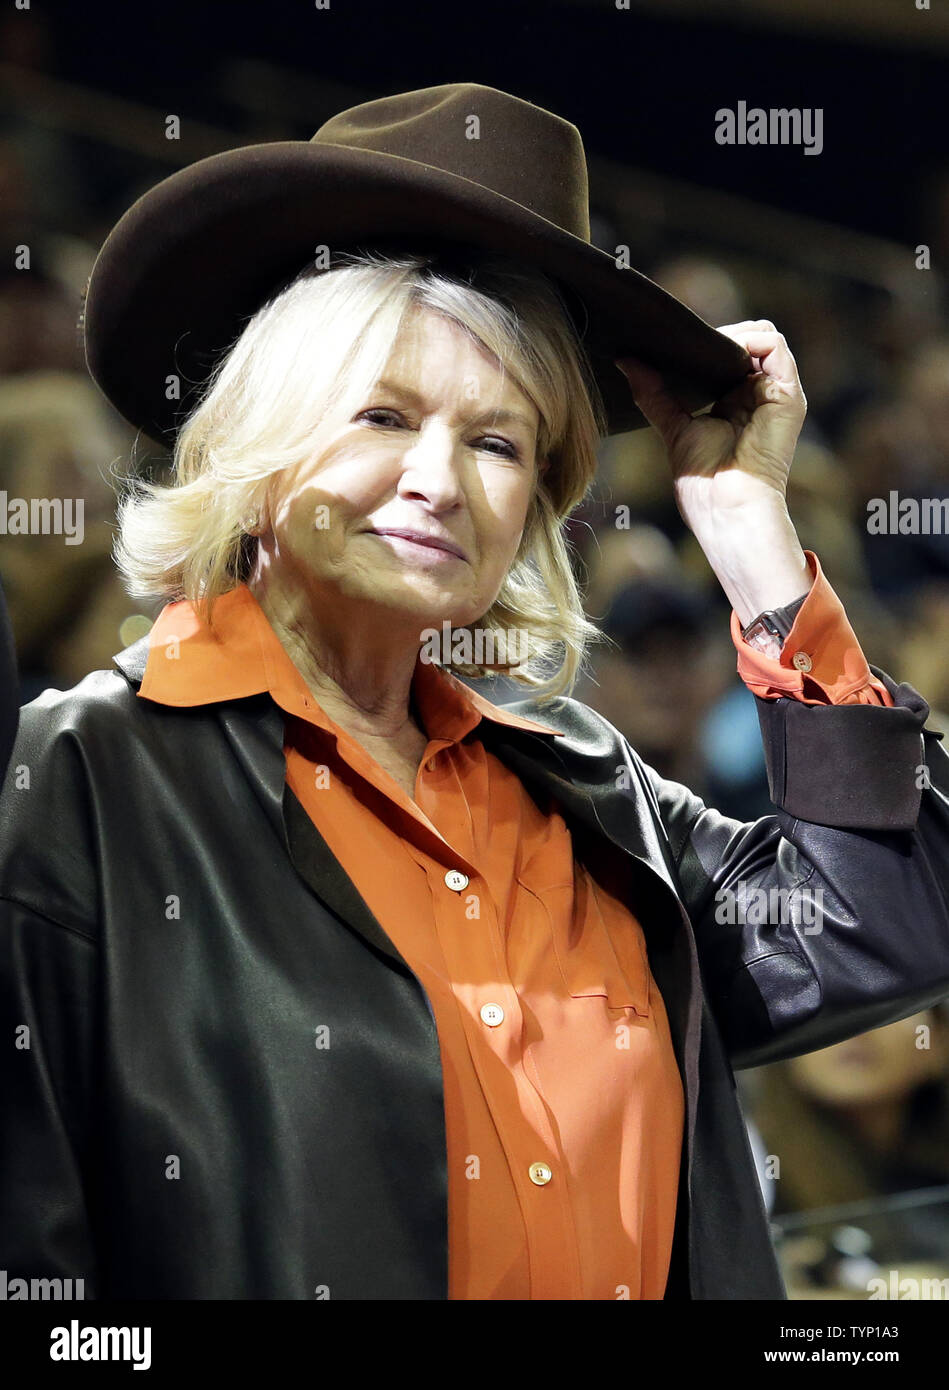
(778, 621)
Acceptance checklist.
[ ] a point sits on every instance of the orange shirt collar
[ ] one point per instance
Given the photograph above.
(189, 664)
(822, 630)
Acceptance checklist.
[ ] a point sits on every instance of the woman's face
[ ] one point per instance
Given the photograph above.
(441, 447)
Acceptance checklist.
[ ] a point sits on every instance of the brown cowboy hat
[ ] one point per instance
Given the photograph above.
(461, 164)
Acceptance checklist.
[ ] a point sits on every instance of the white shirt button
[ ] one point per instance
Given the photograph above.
(492, 1014)
(539, 1173)
(801, 660)
(456, 880)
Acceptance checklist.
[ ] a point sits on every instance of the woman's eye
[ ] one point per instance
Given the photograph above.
(504, 448)
(510, 449)
(381, 410)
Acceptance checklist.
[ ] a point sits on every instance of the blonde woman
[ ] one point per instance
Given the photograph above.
(328, 978)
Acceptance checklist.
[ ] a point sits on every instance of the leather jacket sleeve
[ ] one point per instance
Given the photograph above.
(9, 693)
(49, 970)
(830, 917)
(47, 989)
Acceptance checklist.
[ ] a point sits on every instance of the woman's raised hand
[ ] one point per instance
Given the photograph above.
(738, 456)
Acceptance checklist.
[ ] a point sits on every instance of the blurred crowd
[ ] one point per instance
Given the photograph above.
(853, 1126)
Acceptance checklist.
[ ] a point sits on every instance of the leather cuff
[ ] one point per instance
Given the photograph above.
(854, 767)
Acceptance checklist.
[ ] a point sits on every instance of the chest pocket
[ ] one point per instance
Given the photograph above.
(598, 944)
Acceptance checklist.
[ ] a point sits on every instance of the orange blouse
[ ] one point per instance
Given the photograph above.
(564, 1107)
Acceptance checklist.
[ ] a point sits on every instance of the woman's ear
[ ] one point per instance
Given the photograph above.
(256, 521)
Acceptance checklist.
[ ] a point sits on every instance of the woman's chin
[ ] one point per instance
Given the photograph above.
(430, 605)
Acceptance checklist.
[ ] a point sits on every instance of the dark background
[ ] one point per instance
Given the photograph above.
(642, 87)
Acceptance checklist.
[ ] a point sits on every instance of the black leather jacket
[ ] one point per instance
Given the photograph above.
(9, 686)
(173, 928)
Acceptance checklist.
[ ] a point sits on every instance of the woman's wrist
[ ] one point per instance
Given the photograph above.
(758, 560)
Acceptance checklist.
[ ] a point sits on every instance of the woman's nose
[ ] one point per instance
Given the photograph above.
(431, 469)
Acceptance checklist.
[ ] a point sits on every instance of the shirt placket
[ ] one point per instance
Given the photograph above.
(466, 922)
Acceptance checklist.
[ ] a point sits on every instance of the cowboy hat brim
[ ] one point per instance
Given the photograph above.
(196, 256)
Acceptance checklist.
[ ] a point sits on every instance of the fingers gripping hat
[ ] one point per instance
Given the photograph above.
(197, 255)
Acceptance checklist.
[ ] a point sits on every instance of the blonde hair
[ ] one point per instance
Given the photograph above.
(311, 355)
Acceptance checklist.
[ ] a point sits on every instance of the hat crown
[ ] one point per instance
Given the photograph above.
(464, 165)
(502, 142)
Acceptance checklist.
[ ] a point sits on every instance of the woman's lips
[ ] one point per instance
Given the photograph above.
(430, 551)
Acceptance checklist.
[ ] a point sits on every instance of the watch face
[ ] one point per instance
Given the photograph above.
(764, 641)
(770, 624)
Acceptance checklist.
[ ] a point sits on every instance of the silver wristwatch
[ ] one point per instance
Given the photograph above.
(768, 632)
